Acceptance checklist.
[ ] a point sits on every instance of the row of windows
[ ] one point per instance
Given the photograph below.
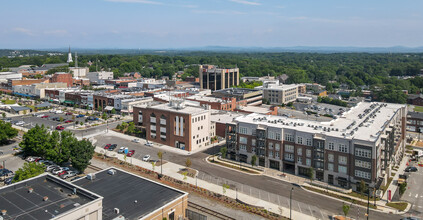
(199, 118)
(341, 147)
(362, 174)
(363, 164)
(363, 153)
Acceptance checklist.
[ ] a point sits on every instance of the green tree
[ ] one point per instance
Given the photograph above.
(104, 116)
(28, 170)
(253, 160)
(3, 115)
(7, 132)
(113, 111)
(345, 209)
(131, 128)
(35, 142)
(223, 151)
(81, 154)
(402, 188)
(362, 187)
(311, 174)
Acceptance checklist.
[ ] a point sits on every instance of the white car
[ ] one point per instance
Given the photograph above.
(40, 115)
(52, 111)
(122, 150)
(20, 123)
(146, 158)
(59, 112)
(136, 140)
(149, 144)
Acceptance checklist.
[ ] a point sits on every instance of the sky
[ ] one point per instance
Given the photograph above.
(154, 24)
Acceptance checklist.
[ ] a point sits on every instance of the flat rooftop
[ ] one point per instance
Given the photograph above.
(221, 116)
(20, 204)
(363, 122)
(207, 99)
(122, 189)
(185, 108)
(255, 109)
(236, 91)
(280, 87)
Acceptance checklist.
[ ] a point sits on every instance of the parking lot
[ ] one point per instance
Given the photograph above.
(31, 120)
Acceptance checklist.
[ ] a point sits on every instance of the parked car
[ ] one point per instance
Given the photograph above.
(44, 116)
(59, 170)
(107, 146)
(91, 118)
(48, 163)
(51, 167)
(68, 121)
(146, 158)
(80, 116)
(148, 144)
(5, 172)
(59, 112)
(52, 111)
(40, 115)
(112, 147)
(136, 140)
(121, 150)
(60, 128)
(20, 123)
(31, 159)
(130, 153)
(61, 173)
(69, 113)
(69, 174)
(8, 181)
(411, 169)
(55, 119)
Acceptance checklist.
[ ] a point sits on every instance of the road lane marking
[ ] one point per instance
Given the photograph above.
(279, 201)
(417, 195)
(409, 195)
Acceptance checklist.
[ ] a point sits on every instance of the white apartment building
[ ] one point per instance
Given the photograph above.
(280, 94)
(99, 77)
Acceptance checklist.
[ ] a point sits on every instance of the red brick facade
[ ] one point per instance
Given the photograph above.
(63, 78)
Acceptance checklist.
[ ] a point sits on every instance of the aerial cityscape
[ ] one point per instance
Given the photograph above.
(216, 109)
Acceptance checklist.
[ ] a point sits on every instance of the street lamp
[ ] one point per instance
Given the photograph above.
(290, 203)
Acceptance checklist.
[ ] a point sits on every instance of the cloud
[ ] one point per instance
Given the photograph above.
(245, 2)
(218, 12)
(137, 1)
(23, 31)
(56, 32)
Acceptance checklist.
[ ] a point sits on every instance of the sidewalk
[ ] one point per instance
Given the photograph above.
(393, 187)
(171, 169)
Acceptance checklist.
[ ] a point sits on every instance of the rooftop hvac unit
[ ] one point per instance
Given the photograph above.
(111, 172)
(116, 210)
(91, 176)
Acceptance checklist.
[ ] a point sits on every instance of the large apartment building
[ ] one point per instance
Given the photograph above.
(280, 94)
(362, 144)
(176, 124)
(215, 78)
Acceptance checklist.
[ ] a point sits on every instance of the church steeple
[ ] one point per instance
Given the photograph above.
(70, 56)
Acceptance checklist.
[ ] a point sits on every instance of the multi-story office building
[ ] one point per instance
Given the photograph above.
(175, 124)
(215, 78)
(250, 96)
(362, 144)
(280, 94)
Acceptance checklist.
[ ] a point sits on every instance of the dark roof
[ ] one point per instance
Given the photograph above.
(20, 204)
(19, 108)
(414, 96)
(418, 115)
(122, 189)
(43, 105)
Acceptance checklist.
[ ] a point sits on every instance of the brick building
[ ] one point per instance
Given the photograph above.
(415, 122)
(62, 77)
(174, 124)
(414, 99)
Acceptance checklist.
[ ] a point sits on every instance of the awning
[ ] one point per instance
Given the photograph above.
(24, 95)
(69, 102)
(109, 108)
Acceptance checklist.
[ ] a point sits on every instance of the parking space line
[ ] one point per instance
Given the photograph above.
(268, 196)
(279, 201)
(299, 206)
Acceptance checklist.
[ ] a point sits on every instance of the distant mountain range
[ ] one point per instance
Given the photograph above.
(220, 49)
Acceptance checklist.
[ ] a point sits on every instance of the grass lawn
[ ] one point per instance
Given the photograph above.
(8, 102)
(418, 108)
(398, 205)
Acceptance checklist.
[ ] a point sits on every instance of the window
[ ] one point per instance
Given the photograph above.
(331, 146)
(309, 142)
(270, 145)
(243, 130)
(330, 166)
(342, 169)
(277, 147)
(243, 140)
(243, 147)
(253, 142)
(299, 151)
(342, 160)
(300, 160)
(308, 162)
(362, 174)
(363, 153)
(289, 148)
(278, 136)
(289, 137)
(308, 153)
(277, 155)
(330, 157)
(343, 148)
(363, 164)
(270, 153)
(289, 157)
(299, 140)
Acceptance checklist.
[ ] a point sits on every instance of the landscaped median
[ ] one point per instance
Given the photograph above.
(232, 165)
(401, 206)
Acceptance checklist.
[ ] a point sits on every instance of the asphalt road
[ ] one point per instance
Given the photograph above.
(414, 194)
(262, 187)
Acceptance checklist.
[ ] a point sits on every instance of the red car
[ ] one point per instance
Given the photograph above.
(44, 116)
(107, 146)
(68, 121)
(69, 113)
(60, 128)
(130, 153)
(61, 173)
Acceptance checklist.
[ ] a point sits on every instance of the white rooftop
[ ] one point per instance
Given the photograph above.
(180, 107)
(363, 122)
(280, 87)
(224, 116)
(206, 99)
